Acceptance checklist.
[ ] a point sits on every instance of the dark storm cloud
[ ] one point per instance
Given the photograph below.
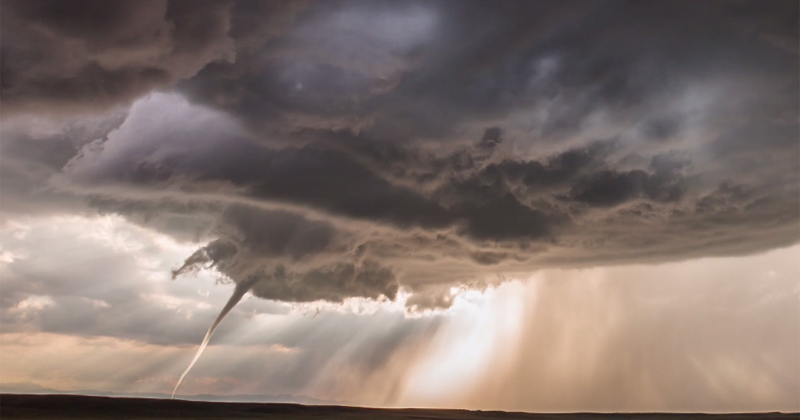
(483, 61)
(355, 148)
(610, 188)
(288, 257)
(66, 56)
(399, 70)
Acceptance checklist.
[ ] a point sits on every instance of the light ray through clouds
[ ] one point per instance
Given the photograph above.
(729, 325)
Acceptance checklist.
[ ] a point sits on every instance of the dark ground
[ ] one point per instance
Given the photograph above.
(19, 406)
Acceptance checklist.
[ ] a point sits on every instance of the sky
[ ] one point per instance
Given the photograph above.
(515, 205)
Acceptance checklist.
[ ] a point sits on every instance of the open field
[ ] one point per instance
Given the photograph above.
(19, 406)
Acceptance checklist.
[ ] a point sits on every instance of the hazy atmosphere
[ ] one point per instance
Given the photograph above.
(513, 205)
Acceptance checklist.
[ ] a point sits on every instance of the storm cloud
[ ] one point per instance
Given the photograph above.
(327, 150)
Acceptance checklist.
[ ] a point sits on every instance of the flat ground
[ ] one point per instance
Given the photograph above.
(17, 406)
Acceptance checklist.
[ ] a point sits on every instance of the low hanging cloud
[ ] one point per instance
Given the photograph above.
(322, 151)
(291, 258)
(323, 221)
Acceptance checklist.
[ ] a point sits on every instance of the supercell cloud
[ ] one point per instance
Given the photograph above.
(327, 150)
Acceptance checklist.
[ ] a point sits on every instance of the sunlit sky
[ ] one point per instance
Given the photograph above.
(538, 206)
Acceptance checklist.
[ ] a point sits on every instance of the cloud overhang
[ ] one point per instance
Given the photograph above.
(355, 149)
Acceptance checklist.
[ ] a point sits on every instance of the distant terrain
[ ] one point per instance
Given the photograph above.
(34, 389)
(26, 406)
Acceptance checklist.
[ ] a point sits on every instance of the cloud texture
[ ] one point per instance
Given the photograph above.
(328, 150)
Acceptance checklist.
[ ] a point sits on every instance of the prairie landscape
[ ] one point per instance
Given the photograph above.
(101, 408)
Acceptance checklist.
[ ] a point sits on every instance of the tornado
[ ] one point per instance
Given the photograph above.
(238, 293)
